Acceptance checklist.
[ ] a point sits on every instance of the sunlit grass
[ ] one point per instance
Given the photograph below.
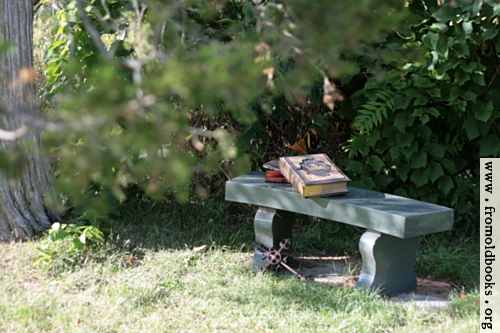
(149, 278)
(186, 291)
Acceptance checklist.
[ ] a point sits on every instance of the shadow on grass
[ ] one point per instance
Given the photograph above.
(170, 225)
(215, 223)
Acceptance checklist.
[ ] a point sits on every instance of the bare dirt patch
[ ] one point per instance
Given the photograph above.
(343, 271)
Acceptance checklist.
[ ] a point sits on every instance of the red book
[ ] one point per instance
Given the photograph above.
(275, 177)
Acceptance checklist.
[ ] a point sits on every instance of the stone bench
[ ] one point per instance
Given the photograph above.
(394, 225)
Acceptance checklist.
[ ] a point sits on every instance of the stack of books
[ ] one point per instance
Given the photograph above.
(273, 174)
(311, 175)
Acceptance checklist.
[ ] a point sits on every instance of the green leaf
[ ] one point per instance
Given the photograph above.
(488, 146)
(424, 119)
(462, 105)
(476, 7)
(402, 101)
(496, 9)
(410, 149)
(461, 49)
(483, 113)
(377, 117)
(422, 82)
(93, 234)
(384, 110)
(317, 119)
(445, 13)
(446, 184)
(421, 100)
(401, 192)
(490, 33)
(449, 165)
(53, 72)
(436, 151)
(471, 127)
(462, 77)
(468, 67)
(402, 170)
(367, 182)
(418, 112)
(436, 171)
(373, 138)
(434, 92)
(451, 63)
(432, 61)
(358, 145)
(366, 112)
(405, 139)
(431, 40)
(376, 162)
(395, 152)
(90, 215)
(393, 75)
(434, 112)
(403, 120)
(55, 45)
(384, 94)
(355, 166)
(467, 26)
(439, 26)
(79, 242)
(419, 160)
(58, 234)
(479, 79)
(439, 74)
(372, 106)
(383, 180)
(423, 131)
(420, 177)
(469, 95)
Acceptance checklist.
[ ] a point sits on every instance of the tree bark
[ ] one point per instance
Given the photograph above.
(27, 201)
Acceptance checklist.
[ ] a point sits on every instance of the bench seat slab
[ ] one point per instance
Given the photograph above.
(385, 213)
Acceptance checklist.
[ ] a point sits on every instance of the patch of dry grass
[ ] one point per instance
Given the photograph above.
(187, 291)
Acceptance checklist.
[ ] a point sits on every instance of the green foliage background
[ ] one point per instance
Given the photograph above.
(424, 124)
(174, 89)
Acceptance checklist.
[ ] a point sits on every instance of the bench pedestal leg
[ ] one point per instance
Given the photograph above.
(271, 227)
(388, 262)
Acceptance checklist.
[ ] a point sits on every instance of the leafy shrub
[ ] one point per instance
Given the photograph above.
(422, 125)
(67, 245)
(166, 89)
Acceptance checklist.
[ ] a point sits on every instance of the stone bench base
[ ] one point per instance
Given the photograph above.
(387, 261)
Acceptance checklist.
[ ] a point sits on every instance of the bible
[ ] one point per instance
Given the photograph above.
(314, 175)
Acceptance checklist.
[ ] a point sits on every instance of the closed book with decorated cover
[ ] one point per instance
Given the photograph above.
(314, 175)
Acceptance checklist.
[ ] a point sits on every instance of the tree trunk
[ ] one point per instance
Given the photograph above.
(27, 201)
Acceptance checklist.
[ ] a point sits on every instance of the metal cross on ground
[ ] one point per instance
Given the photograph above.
(275, 258)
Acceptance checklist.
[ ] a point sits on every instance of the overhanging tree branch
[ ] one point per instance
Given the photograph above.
(38, 122)
(94, 34)
(13, 135)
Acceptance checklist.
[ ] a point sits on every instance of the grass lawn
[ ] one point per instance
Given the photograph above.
(148, 278)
